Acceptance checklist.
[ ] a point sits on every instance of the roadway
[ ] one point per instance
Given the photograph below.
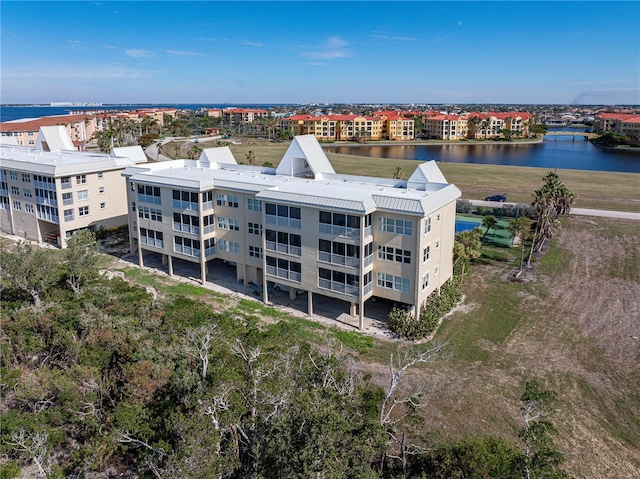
(625, 215)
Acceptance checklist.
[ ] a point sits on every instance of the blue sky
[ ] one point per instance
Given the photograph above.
(315, 52)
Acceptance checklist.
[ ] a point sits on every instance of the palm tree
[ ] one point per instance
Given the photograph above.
(551, 200)
(194, 152)
(398, 173)
(474, 121)
(490, 223)
(520, 228)
(484, 125)
(467, 246)
(251, 157)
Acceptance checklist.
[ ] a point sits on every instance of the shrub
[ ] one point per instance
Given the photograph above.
(404, 323)
(463, 206)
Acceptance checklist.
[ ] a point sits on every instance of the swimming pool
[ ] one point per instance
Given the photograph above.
(466, 225)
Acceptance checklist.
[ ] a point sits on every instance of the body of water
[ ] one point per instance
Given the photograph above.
(552, 152)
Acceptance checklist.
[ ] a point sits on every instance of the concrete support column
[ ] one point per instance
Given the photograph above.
(203, 271)
(361, 319)
(352, 309)
(309, 303)
(244, 275)
(140, 262)
(164, 259)
(170, 264)
(265, 284)
(292, 294)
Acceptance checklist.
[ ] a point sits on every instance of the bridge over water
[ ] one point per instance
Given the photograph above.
(583, 134)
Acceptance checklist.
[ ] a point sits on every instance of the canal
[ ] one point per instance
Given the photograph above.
(552, 152)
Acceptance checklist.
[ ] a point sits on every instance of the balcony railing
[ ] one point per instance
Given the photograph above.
(67, 201)
(207, 205)
(210, 251)
(156, 243)
(347, 289)
(186, 228)
(335, 230)
(283, 221)
(66, 186)
(367, 288)
(284, 274)
(44, 185)
(208, 229)
(368, 260)
(338, 259)
(46, 201)
(188, 250)
(48, 217)
(154, 200)
(185, 205)
(283, 248)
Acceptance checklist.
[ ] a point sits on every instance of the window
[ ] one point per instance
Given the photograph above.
(255, 251)
(234, 225)
(186, 246)
(152, 214)
(207, 200)
(151, 237)
(149, 194)
(83, 195)
(65, 182)
(208, 222)
(28, 207)
(426, 253)
(81, 179)
(398, 255)
(229, 246)
(27, 193)
(26, 177)
(283, 268)
(397, 283)
(392, 225)
(283, 242)
(425, 281)
(282, 215)
(16, 205)
(15, 190)
(186, 223)
(13, 175)
(185, 200)
(427, 225)
(227, 200)
(100, 175)
(68, 215)
(254, 229)
(101, 190)
(83, 211)
(254, 204)
(103, 206)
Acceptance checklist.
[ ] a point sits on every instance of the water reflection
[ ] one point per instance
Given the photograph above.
(553, 152)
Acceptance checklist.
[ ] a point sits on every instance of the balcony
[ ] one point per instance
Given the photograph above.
(283, 248)
(341, 260)
(209, 251)
(188, 250)
(48, 217)
(347, 289)
(283, 221)
(44, 185)
(284, 274)
(185, 205)
(335, 230)
(152, 242)
(154, 200)
(186, 228)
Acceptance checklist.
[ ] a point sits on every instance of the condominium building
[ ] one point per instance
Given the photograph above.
(335, 127)
(395, 126)
(79, 127)
(623, 123)
(492, 124)
(49, 191)
(445, 127)
(300, 226)
(237, 116)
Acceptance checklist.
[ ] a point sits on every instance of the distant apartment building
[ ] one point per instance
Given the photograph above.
(395, 126)
(79, 127)
(104, 120)
(237, 116)
(300, 226)
(445, 127)
(622, 123)
(49, 190)
(334, 127)
(492, 124)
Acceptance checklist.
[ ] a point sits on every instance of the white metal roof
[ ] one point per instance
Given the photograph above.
(358, 194)
(58, 163)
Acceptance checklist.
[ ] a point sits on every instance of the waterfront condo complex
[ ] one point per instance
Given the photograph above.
(299, 226)
(50, 190)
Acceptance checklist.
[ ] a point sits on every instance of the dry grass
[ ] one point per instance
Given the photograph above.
(575, 330)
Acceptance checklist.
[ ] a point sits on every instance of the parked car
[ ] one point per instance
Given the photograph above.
(500, 198)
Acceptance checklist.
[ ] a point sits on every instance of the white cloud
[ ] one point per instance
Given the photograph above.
(330, 49)
(77, 72)
(253, 44)
(393, 37)
(184, 53)
(136, 53)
